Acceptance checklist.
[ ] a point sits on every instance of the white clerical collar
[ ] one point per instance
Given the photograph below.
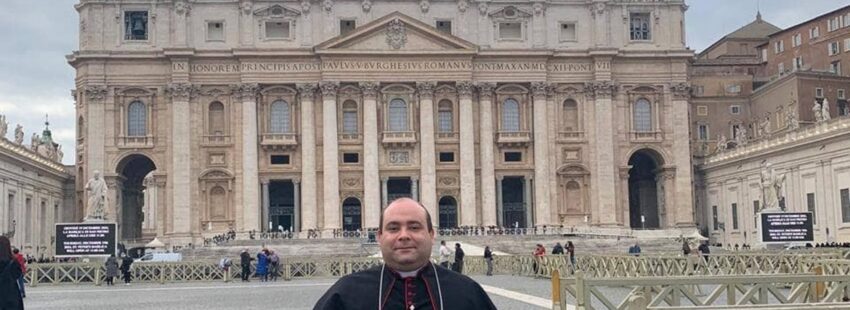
(409, 274)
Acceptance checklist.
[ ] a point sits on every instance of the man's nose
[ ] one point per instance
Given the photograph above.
(404, 234)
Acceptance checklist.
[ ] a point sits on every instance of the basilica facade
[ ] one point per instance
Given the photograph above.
(205, 116)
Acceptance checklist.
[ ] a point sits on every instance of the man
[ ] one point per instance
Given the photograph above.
(635, 250)
(23, 263)
(459, 254)
(407, 279)
(488, 257)
(245, 261)
(445, 253)
(704, 250)
(558, 249)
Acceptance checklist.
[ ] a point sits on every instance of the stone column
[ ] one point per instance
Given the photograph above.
(95, 97)
(384, 181)
(603, 145)
(372, 201)
(489, 205)
(330, 148)
(296, 221)
(624, 212)
(541, 154)
(468, 204)
(414, 188)
(681, 158)
(428, 168)
(499, 208)
(250, 161)
(308, 204)
(526, 198)
(181, 158)
(163, 214)
(266, 206)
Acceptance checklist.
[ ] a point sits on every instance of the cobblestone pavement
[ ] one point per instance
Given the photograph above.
(300, 294)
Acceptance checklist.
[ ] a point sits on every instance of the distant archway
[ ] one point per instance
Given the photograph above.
(643, 189)
(351, 214)
(448, 212)
(133, 169)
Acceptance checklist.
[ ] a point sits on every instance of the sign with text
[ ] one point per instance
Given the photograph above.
(787, 227)
(86, 239)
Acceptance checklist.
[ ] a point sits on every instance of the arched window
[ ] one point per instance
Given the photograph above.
(398, 115)
(510, 115)
(280, 119)
(643, 116)
(217, 203)
(570, 115)
(136, 119)
(216, 118)
(444, 110)
(349, 117)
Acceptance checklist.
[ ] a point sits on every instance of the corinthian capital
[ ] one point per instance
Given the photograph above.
(329, 88)
(369, 89)
(181, 91)
(426, 89)
(485, 89)
(95, 93)
(307, 90)
(245, 91)
(681, 90)
(465, 88)
(601, 89)
(540, 89)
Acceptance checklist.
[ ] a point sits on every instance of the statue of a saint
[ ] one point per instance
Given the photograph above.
(98, 192)
(771, 187)
(59, 154)
(817, 111)
(764, 127)
(791, 119)
(741, 138)
(4, 126)
(824, 110)
(34, 141)
(721, 143)
(19, 134)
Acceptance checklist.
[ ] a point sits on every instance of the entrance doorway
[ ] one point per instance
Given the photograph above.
(513, 202)
(448, 212)
(282, 205)
(397, 188)
(643, 190)
(133, 169)
(351, 214)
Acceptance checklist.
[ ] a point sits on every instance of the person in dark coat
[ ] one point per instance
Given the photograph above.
(111, 269)
(458, 266)
(407, 279)
(558, 249)
(245, 262)
(488, 257)
(263, 266)
(126, 263)
(10, 272)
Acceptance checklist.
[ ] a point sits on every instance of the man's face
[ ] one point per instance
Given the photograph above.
(405, 239)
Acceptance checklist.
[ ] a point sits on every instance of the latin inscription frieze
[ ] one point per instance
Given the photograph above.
(389, 66)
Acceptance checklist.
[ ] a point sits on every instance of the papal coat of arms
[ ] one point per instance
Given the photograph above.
(396, 34)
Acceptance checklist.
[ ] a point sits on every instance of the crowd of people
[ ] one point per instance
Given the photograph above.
(267, 269)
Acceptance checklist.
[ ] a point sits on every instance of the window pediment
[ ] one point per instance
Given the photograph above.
(134, 92)
(278, 91)
(277, 11)
(397, 89)
(511, 89)
(510, 13)
(216, 174)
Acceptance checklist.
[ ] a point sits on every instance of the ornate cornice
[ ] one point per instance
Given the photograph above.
(95, 93)
(369, 89)
(329, 89)
(307, 90)
(540, 89)
(426, 89)
(485, 89)
(181, 91)
(681, 90)
(245, 91)
(464, 89)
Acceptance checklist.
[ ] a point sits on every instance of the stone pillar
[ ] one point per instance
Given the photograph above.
(372, 201)
(539, 24)
(489, 205)
(624, 212)
(541, 154)
(163, 213)
(296, 221)
(181, 158)
(384, 181)
(414, 189)
(428, 168)
(468, 204)
(266, 206)
(603, 145)
(250, 162)
(246, 24)
(330, 148)
(526, 198)
(95, 97)
(499, 207)
(308, 205)
(682, 158)
(306, 32)
(180, 25)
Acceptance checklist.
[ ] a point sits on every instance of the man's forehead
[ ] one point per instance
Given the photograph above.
(404, 211)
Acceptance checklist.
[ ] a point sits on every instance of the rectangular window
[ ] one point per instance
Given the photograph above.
(764, 55)
(798, 62)
(513, 157)
(444, 26)
(814, 32)
(833, 48)
(280, 159)
(796, 40)
(349, 122)
(277, 30)
(445, 121)
(778, 47)
(447, 157)
(350, 158)
(215, 31)
(702, 110)
(810, 204)
(136, 25)
(733, 89)
(847, 45)
(818, 92)
(841, 94)
(346, 26)
(846, 20)
(568, 32)
(510, 31)
(714, 218)
(639, 29)
(703, 132)
(833, 24)
(735, 216)
(781, 68)
(735, 109)
(755, 213)
(845, 205)
(835, 67)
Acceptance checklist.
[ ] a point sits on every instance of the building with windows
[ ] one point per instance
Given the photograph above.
(251, 115)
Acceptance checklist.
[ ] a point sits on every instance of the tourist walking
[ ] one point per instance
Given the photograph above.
(458, 266)
(245, 261)
(488, 257)
(10, 271)
(571, 250)
(22, 262)
(111, 269)
(558, 249)
(274, 265)
(444, 254)
(126, 263)
(263, 265)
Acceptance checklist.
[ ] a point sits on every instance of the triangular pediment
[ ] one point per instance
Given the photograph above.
(396, 33)
(277, 11)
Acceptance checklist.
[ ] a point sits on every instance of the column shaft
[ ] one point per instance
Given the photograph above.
(541, 156)
(499, 208)
(489, 205)
(526, 199)
(684, 206)
(467, 157)
(296, 221)
(181, 158)
(371, 175)
(250, 169)
(414, 189)
(330, 148)
(428, 169)
(384, 193)
(266, 204)
(604, 152)
(308, 206)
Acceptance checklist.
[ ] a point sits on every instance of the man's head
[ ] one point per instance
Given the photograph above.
(442, 242)
(405, 235)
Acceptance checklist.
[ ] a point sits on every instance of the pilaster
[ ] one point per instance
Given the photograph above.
(603, 144)
(181, 158)
(489, 204)
(682, 157)
(428, 169)
(371, 179)
(467, 156)
(308, 206)
(250, 171)
(541, 154)
(330, 148)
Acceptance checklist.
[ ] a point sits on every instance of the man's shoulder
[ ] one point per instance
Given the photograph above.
(359, 278)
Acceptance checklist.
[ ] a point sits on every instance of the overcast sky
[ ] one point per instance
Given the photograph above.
(36, 80)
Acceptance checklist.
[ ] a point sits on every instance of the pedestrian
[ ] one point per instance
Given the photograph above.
(635, 250)
(445, 253)
(558, 249)
(458, 266)
(111, 269)
(126, 263)
(274, 265)
(488, 257)
(22, 262)
(539, 252)
(10, 271)
(407, 279)
(686, 248)
(263, 265)
(704, 250)
(245, 261)
(571, 250)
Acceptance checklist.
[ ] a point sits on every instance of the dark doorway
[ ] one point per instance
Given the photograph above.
(351, 218)
(643, 190)
(513, 202)
(397, 188)
(133, 169)
(281, 205)
(448, 212)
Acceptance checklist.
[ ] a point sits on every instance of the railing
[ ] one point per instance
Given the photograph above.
(136, 141)
(447, 135)
(513, 137)
(399, 137)
(284, 140)
(570, 135)
(646, 136)
(216, 139)
(349, 137)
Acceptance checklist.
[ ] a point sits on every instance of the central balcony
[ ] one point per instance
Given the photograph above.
(135, 142)
(279, 141)
(646, 136)
(513, 138)
(399, 138)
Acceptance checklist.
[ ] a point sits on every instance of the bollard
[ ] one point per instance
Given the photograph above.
(33, 277)
(820, 287)
(556, 290)
(638, 301)
(97, 276)
(582, 294)
(226, 274)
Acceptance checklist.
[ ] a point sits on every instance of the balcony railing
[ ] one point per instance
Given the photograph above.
(570, 136)
(647, 136)
(216, 140)
(349, 138)
(511, 138)
(136, 141)
(279, 140)
(399, 137)
(447, 136)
